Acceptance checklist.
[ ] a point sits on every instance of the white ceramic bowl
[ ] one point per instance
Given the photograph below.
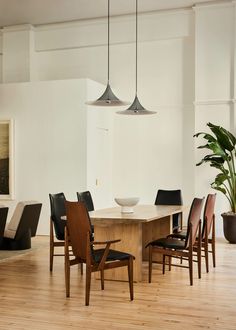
(127, 203)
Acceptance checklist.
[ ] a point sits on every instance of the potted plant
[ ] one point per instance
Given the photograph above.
(222, 146)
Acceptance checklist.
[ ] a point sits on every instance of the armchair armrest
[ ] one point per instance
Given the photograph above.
(106, 251)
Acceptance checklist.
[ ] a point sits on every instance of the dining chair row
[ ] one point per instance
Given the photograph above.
(185, 245)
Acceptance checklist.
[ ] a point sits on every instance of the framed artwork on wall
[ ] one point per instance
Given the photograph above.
(6, 160)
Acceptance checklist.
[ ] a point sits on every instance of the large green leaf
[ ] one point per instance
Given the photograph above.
(222, 137)
(218, 188)
(214, 158)
(208, 137)
(205, 146)
(217, 150)
(221, 178)
(230, 135)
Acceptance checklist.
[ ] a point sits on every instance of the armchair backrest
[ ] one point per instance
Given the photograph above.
(208, 214)
(24, 219)
(194, 221)
(3, 219)
(78, 226)
(58, 209)
(86, 197)
(169, 197)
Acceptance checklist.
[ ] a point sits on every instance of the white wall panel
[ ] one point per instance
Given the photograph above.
(214, 57)
(50, 139)
(219, 115)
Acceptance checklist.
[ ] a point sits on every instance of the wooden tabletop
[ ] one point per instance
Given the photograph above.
(142, 213)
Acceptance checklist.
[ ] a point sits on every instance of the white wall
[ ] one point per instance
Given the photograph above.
(143, 153)
(50, 139)
(183, 56)
(215, 74)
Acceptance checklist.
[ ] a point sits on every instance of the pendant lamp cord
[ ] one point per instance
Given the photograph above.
(136, 83)
(108, 41)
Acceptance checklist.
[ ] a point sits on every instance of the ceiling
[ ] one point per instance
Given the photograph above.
(37, 12)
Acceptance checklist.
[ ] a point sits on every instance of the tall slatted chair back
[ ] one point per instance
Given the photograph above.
(193, 221)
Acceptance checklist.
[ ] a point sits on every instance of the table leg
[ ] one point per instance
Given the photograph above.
(153, 230)
(131, 242)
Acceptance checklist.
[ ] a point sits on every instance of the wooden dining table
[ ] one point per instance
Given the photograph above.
(146, 223)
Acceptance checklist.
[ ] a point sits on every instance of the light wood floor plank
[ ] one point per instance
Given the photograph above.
(31, 298)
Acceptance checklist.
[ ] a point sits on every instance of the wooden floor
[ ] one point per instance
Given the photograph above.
(31, 298)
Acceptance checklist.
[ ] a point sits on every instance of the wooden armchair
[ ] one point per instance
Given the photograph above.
(78, 233)
(181, 249)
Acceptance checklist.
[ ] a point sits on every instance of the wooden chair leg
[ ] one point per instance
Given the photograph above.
(51, 256)
(150, 265)
(102, 279)
(130, 275)
(199, 262)
(81, 268)
(206, 254)
(88, 284)
(67, 278)
(190, 261)
(163, 263)
(51, 247)
(213, 243)
(199, 251)
(213, 247)
(67, 270)
(170, 260)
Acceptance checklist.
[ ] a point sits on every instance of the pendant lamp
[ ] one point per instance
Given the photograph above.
(108, 98)
(136, 107)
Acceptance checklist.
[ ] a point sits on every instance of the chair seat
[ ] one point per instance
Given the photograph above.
(112, 255)
(180, 235)
(170, 243)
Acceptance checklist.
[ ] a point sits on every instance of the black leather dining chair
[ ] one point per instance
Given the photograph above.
(86, 197)
(171, 197)
(57, 225)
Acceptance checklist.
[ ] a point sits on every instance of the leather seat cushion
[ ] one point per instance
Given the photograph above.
(170, 243)
(112, 255)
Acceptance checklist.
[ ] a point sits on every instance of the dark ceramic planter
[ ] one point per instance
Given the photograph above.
(229, 221)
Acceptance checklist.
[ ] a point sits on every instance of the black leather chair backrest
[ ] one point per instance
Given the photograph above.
(86, 197)
(169, 197)
(29, 220)
(58, 209)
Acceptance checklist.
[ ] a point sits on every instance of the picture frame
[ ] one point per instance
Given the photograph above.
(6, 159)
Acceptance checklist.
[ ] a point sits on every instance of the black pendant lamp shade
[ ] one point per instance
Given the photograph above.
(136, 107)
(108, 98)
